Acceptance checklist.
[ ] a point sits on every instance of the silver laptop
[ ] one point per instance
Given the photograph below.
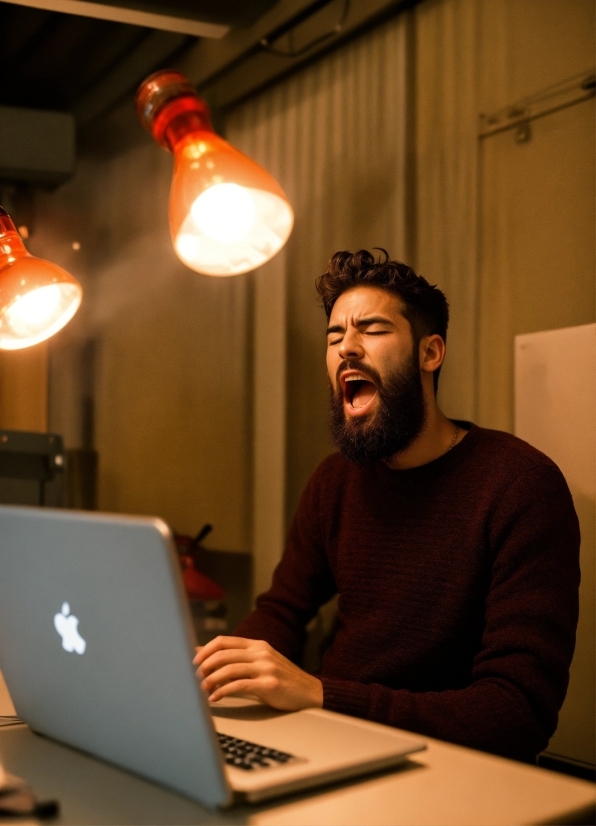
(96, 644)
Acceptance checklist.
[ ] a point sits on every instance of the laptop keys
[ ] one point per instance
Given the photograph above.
(249, 756)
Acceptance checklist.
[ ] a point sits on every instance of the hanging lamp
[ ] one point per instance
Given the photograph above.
(227, 214)
(37, 298)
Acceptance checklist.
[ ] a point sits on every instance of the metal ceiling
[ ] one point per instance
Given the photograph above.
(82, 65)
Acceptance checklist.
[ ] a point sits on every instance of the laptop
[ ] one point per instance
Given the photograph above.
(96, 647)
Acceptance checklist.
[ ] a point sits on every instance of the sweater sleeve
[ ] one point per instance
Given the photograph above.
(521, 671)
(302, 582)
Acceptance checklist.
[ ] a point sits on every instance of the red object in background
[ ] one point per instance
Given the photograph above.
(198, 586)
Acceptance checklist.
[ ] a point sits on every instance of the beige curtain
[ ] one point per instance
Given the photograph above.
(24, 389)
(335, 136)
(446, 102)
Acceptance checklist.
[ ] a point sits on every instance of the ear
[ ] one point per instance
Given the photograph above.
(431, 353)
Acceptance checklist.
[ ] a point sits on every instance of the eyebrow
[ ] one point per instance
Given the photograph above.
(363, 322)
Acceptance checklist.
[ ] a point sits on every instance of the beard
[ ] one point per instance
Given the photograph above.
(399, 417)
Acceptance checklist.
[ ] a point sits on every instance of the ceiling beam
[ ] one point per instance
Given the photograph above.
(123, 14)
(141, 61)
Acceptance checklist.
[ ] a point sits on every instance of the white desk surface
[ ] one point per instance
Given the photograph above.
(446, 784)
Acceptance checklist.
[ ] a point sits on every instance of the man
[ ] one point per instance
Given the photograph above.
(454, 549)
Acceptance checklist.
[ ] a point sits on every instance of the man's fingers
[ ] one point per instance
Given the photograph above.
(234, 671)
(236, 687)
(221, 658)
(218, 644)
(263, 674)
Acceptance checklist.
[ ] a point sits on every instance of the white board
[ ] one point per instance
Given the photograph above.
(555, 410)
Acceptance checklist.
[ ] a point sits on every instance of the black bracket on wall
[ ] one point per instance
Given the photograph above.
(36, 458)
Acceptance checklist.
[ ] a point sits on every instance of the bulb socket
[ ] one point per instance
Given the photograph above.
(168, 106)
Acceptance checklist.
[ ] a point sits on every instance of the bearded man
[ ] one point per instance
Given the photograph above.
(454, 549)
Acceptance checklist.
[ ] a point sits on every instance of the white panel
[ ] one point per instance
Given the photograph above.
(555, 410)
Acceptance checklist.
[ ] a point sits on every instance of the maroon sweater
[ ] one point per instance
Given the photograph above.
(458, 592)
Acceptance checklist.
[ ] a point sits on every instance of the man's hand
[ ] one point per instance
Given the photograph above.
(234, 665)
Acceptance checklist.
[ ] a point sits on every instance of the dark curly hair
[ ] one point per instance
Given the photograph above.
(425, 305)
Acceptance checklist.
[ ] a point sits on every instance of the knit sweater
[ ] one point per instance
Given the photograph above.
(458, 592)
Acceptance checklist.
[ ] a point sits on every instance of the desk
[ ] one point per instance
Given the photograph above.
(445, 785)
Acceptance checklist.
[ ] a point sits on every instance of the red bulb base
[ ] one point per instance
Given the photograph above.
(169, 108)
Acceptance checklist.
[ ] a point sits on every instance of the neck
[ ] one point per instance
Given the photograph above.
(435, 439)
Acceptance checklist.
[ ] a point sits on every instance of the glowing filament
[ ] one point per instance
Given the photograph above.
(225, 213)
(38, 314)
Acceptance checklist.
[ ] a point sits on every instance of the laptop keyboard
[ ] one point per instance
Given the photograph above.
(249, 756)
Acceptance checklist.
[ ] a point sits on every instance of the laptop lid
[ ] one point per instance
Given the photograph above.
(96, 644)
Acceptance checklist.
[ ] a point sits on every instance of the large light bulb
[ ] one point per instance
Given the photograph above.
(227, 214)
(37, 298)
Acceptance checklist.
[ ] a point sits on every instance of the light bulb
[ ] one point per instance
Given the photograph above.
(227, 214)
(37, 298)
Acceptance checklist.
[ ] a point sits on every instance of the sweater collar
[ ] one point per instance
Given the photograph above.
(443, 464)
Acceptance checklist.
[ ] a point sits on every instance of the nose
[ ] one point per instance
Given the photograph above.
(351, 345)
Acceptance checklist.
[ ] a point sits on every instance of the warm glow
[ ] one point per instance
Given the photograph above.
(225, 213)
(38, 314)
(34, 310)
(232, 229)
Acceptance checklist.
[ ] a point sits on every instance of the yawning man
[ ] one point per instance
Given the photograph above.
(454, 549)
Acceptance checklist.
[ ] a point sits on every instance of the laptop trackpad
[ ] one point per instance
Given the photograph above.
(243, 708)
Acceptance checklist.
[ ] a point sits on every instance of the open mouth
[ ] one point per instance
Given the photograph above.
(359, 392)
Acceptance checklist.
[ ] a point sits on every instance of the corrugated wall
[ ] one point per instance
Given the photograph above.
(335, 137)
(377, 145)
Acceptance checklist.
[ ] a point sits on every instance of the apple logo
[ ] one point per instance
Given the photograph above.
(67, 627)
